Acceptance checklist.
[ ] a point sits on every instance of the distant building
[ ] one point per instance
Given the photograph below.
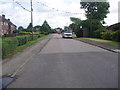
(114, 27)
(6, 26)
(58, 30)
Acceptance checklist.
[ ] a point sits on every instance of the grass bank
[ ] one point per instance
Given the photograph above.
(109, 42)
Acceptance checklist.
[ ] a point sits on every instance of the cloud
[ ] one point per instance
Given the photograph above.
(55, 18)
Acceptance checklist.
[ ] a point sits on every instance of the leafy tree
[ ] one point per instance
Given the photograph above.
(65, 27)
(20, 28)
(98, 33)
(45, 28)
(16, 31)
(96, 10)
(29, 28)
(37, 28)
(91, 25)
(76, 21)
(75, 26)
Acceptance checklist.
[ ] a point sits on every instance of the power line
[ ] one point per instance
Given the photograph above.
(43, 4)
(21, 6)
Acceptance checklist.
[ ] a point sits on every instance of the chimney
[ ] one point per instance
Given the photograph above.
(8, 19)
(3, 16)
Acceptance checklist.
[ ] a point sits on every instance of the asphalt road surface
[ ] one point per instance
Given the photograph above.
(68, 63)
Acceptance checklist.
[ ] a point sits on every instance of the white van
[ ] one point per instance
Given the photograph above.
(67, 33)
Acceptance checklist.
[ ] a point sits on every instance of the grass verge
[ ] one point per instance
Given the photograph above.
(113, 43)
(73, 35)
(21, 48)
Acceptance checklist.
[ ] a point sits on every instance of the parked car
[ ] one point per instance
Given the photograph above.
(67, 33)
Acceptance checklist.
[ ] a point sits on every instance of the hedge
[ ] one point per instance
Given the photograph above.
(107, 35)
(11, 43)
(8, 45)
(116, 36)
(111, 35)
(98, 32)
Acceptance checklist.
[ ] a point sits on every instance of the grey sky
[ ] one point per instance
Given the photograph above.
(55, 18)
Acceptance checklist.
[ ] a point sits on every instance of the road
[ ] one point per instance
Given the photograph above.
(68, 63)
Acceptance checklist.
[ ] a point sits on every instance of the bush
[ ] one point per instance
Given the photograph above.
(22, 32)
(116, 36)
(46, 33)
(11, 43)
(107, 35)
(15, 31)
(23, 40)
(35, 37)
(8, 45)
(98, 32)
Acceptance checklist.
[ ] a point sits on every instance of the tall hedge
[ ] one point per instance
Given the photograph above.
(8, 45)
(116, 36)
(98, 33)
(11, 43)
(111, 35)
(107, 35)
(23, 39)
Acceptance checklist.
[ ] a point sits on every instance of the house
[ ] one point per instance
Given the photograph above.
(6, 26)
(114, 27)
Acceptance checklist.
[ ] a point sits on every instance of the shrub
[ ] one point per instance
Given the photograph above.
(107, 35)
(8, 45)
(22, 32)
(35, 37)
(15, 31)
(11, 43)
(23, 39)
(46, 33)
(116, 36)
(98, 32)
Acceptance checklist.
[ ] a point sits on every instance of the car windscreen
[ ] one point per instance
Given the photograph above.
(68, 31)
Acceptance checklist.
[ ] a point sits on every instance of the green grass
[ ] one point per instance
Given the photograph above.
(73, 35)
(113, 43)
(28, 44)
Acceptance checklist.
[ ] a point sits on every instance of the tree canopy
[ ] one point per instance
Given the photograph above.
(20, 28)
(76, 23)
(75, 20)
(45, 27)
(96, 10)
(29, 28)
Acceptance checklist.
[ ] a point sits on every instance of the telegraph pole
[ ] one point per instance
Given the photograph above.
(31, 17)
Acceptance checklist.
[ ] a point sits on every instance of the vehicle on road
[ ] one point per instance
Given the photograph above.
(67, 33)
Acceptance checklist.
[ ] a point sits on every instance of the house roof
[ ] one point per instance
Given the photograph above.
(112, 26)
(6, 20)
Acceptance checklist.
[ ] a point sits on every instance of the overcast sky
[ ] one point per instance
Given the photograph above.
(55, 18)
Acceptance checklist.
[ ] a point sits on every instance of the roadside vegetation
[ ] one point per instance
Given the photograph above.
(23, 38)
(93, 26)
(109, 42)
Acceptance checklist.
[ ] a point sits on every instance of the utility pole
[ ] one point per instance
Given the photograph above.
(31, 17)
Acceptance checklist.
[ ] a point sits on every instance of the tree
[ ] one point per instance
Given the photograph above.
(65, 27)
(20, 28)
(45, 28)
(37, 28)
(75, 26)
(29, 28)
(75, 20)
(96, 10)
(91, 25)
